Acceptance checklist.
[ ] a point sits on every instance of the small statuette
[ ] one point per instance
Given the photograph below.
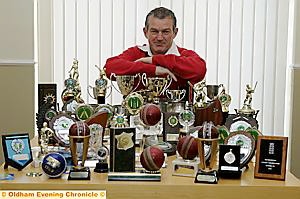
(229, 157)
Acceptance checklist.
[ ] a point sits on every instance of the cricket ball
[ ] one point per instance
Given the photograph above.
(187, 147)
(152, 158)
(212, 133)
(79, 129)
(150, 114)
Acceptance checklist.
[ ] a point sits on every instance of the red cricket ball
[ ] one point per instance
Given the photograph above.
(79, 128)
(152, 158)
(150, 114)
(187, 147)
(208, 134)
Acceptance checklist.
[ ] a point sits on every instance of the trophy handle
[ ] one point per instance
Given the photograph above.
(169, 94)
(137, 85)
(167, 85)
(182, 92)
(88, 90)
(144, 80)
(111, 82)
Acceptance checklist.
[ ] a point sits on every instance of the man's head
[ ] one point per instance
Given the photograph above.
(160, 29)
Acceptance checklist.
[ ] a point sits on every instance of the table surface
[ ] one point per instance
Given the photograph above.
(170, 186)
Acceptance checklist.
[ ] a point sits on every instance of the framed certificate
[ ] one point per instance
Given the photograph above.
(17, 150)
(271, 157)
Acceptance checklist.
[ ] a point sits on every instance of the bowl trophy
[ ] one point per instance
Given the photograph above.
(186, 162)
(157, 85)
(79, 134)
(101, 86)
(208, 135)
(175, 98)
(126, 83)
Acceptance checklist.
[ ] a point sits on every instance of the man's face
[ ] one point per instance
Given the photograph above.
(160, 34)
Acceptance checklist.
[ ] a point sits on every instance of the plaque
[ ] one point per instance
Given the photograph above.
(212, 112)
(60, 124)
(236, 122)
(271, 157)
(247, 143)
(122, 149)
(229, 161)
(17, 150)
(171, 126)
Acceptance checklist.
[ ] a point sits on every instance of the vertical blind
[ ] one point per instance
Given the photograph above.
(242, 41)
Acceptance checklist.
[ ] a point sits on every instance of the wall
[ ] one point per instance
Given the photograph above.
(17, 70)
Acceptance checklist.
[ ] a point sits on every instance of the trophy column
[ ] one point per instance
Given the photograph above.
(79, 132)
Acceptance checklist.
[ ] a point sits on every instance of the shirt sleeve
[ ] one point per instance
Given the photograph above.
(124, 64)
(188, 66)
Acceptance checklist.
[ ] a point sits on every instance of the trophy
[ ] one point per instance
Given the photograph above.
(247, 109)
(198, 88)
(79, 134)
(208, 135)
(186, 119)
(157, 85)
(212, 91)
(72, 90)
(45, 134)
(187, 151)
(101, 84)
(126, 83)
(175, 95)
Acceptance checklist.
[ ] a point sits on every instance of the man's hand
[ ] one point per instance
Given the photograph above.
(146, 60)
(162, 71)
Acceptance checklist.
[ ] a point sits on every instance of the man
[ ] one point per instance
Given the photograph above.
(161, 56)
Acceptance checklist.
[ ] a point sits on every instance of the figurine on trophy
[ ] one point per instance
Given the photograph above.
(101, 86)
(45, 134)
(247, 109)
(71, 95)
(198, 88)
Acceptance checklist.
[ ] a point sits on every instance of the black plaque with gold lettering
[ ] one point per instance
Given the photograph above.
(271, 157)
(122, 149)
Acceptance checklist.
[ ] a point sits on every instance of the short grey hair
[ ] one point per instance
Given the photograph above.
(161, 13)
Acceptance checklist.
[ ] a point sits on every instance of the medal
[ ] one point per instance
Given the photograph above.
(229, 157)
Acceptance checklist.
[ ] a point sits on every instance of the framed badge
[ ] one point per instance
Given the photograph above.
(271, 157)
(84, 111)
(17, 150)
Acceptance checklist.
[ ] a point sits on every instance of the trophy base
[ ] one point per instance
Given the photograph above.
(209, 177)
(230, 174)
(80, 174)
(187, 168)
(101, 167)
(134, 176)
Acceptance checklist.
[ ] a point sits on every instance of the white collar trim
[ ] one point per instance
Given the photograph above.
(173, 50)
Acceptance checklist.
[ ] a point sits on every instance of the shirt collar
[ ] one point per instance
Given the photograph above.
(173, 50)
